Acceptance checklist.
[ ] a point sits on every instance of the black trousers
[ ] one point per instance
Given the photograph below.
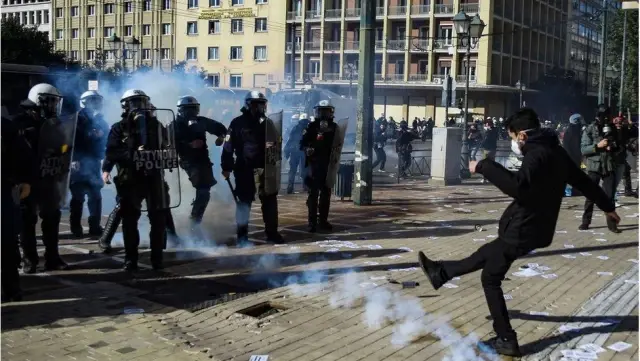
(494, 259)
(404, 162)
(246, 188)
(92, 191)
(319, 199)
(10, 253)
(628, 187)
(381, 158)
(31, 208)
(202, 179)
(608, 186)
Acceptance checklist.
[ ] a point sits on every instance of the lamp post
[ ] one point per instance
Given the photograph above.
(521, 87)
(350, 69)
(115, 45)
(469, 30)
(611, 73)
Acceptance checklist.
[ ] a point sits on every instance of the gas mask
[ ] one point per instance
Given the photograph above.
(50, 106)
(258, 109)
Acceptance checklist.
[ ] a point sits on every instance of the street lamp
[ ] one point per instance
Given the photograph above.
(132, 45)
(351, 70)
(521, 87)
(611, 73)
(115, 44)
(469, 30)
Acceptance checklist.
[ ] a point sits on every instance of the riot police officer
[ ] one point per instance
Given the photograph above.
(293, 153)
(191, 142)
(40, 125)
(317, 143)
(246, 139)
(90, 142)
(404, 148)
(137, 146)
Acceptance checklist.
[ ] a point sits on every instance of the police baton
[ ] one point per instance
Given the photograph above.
(233, 191)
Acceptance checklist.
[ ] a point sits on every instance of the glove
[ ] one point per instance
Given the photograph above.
(308, 151)
(219, 141)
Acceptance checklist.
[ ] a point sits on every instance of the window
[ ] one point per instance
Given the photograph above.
(74, 11)
(214, 53)
(58, 12)
(59, 34)
(74, 33)
(91, 55)
(146, 54)
(108, 31)
(73, 54)
(192, 4)
(214, 3)
(214, 26)
(165, 54)
(262, 2)
(213, 80)
(109, 55)
(260, 53)
(261, 25)
(236, 26)
(108, 9)
(46, 16)
(192, 28)
(127, 54)
(128, 6)
(91, 33)
(237, 2)
(235, 81)
(166, 4)
(146, 5)
(446, 35)
(166, 29)
(91, 10)
(236, 53)
(128, 30)
(192, 53)
(146, 30)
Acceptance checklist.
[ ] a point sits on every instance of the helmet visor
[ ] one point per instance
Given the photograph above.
(191, 110)
(258, 107)
(50, 104)
(324, 112)
(137, 103)
(93, 104)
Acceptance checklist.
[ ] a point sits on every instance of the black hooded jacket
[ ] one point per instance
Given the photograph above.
(537, 190)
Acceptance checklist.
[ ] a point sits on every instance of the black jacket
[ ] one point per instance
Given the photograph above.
(188, 130)
(245, 139)
(89, 147)
(571, 142)
(490, 141)
(18, 159)
(537, 190)
(321, 141)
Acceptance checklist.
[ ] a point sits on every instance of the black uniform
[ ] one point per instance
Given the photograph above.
(246, 140)
(294, 154)
(195, 161)
(404, 149)
(318, 137)
(18, 166)
(39, 202)
(380, 138)
(136, 182)
(90, 143)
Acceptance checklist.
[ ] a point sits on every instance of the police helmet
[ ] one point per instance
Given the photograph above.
(324, 110)
(91, 100)
(188, 105)
(134, 99)
(304, 116)
(46, 97)
(254, 97)
(575, 119)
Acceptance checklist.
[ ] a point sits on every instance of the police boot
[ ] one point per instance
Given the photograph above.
(95, 230)
(274, 237)
(110, 229)
(156, 259)
(50, 228)
(171, 233)
(290, 189)
(312, 210)
(75, 217)
(323, 208)
(242, 233)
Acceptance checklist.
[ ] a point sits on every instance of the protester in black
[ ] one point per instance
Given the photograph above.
(379, 139)
(527, 224)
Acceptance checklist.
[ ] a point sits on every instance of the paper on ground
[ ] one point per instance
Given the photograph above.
(528, 272)
(449, 285)
(619, 346)
(605, 274)
(592, 347)
(259, 358)
(536, 313)
(585, 254)
(370, 263)
(569, 246)
(600, 240)
(378, 278)
(508, 297)
(579, 354)
(633, 282)
(604, 258)
(568, 328)
(568, 256)
(550, 276)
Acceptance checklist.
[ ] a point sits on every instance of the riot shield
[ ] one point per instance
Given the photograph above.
(157, 158)
(55, 152)
(336, 151)
(273, 153)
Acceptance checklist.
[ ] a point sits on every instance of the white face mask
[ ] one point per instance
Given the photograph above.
(515, 147)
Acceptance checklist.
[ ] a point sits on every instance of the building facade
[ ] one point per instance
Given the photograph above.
(30, 12)
(239, 43)
(417, 47)
(82, 29)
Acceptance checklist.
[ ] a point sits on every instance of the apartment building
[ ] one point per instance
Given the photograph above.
(109, 32)
(29, 12)
(416, 47)
(238, 42)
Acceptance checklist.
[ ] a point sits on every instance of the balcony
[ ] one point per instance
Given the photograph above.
(380, 45)
(472, 8)
(313, 15)
(294, 15)
(418, 77)
(312, 76)
(332, 14)
(378, 77)
(397, 11)
(438, 78)
(331, 76)
(379, 11)
(394, 78)
(420, 10)
(289, 46)
(462, 79)
(351, 45)
(419, 46)
(443, 9)
(352, 13)
(442, 44)
(312, 46)
(397, 45)
(332, 46)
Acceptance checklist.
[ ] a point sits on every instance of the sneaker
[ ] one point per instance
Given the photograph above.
(613, 226)
(584, 226)
(289, 190)
(311, 228)
(130, 266)
(77, 232)
(29, 266)
(501, 346)
(433, 270)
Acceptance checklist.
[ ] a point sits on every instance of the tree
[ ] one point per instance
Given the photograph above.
(615, 45)
(23, 44)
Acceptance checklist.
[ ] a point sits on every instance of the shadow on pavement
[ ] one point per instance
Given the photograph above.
(580, 249)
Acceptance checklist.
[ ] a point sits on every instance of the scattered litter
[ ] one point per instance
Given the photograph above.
(568, 328)
(368, 284)
(604, 258)
(492, 236)
(479, 240)
(133, 311)
(294, 247)
(543, 268)
(605, 274)
(600, 240)
(455, 278)
(395, 256)
(406, 249)
(404, 209)
(378, 278)
(370, 263)
(561, 231)
(449, 285)
(598, 234)
(382, 215)
(633, 282)
(333, 250)
(568, 256)
(527, 273)
(463, 210)
(410, 284)
(579, 354)
(585, 254)
(536, 313)
(492, 211)
(479, 228)
(619, 346)
(569, 246)
(259, 358)
(550, 276)
(410, 269)
(532, 265)
(508, 297)
(633, 260)
(592, 347)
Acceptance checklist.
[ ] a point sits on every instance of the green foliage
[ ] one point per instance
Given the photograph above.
(23, 44)
(614, 54)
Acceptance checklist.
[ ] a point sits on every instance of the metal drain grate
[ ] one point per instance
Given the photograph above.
(262, 310)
